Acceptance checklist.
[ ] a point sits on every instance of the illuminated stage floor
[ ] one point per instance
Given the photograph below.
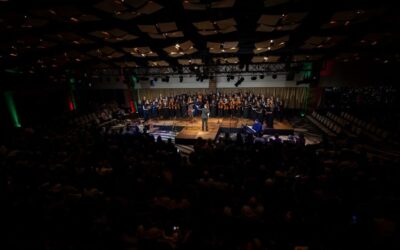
(186, 131)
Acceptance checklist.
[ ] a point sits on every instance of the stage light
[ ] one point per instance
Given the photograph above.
(241, 79)
(9, 98)
(155, 79)
(180, 78)
(274, 76)
(232, 77)
(167, 78)
(253, 78)
(152, 83)
(228, 78)
(261, 76)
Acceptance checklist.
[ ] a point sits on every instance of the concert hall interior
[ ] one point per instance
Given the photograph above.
(200, 124)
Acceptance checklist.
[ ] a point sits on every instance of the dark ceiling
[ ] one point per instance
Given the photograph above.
(57, 34)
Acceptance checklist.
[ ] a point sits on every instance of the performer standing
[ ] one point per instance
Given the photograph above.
(246, 109)
(213, 108)
(278, 110)
(184, 108)
(220, 108)
(146, 107)
(191, 111)
(269, 113)
(205, 112)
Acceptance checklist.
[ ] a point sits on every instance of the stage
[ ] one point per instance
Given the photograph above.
(186, 131)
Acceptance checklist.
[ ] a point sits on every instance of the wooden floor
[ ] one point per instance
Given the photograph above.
(192, 129)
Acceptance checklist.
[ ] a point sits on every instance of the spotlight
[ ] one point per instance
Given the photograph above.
(232, 77)
(180, 78)
(261, 76)
(152, 83)
(239, 81)
(167, 78)
(274, 76)
(155, 79)
(253, 78)
(228, 78)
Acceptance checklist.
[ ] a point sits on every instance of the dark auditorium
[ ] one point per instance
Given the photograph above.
(200, 124)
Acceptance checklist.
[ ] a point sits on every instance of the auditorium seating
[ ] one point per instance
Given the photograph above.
(96, 117)
(370, 130)
(325, 124)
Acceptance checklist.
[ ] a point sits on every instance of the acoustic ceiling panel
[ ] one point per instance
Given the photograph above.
(160, 63)
(226, 60)
(141, 52)
(270, 45)
(161, 30)
(265, 59)
(187, 62)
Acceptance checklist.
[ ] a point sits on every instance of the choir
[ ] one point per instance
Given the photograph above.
(246, 105)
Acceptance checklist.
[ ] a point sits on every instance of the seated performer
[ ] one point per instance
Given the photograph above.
(257, 127)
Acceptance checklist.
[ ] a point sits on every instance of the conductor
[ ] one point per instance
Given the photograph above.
(205, 113)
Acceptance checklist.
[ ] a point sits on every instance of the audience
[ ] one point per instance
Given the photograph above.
(377, 105)
(82, 188)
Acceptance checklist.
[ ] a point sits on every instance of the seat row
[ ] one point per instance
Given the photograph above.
(365, 128)
(86, 119)
(328, 126)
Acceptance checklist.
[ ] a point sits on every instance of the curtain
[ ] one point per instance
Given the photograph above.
(293, 97)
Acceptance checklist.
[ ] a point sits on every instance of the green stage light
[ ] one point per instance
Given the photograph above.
(11, 108)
